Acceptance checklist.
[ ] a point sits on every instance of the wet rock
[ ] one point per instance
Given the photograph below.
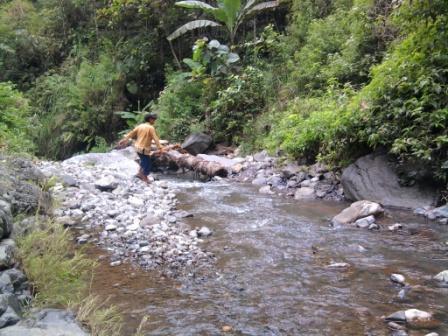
(418, 318)
(374, 226)
(398, 316)
(115, 263)
(399, 333)
(6, 285)
(356, 211)
(340, 265)
(204, 232)
(106, 183)
(292, 184)
(361, 181)
(441, 212)
(266, 190)
(183, 214)
(395, 227)
(259, 181)
(47, 322)
(398, 278)
(396, 326)
(304, 193)
(442, 277)
(365, 222)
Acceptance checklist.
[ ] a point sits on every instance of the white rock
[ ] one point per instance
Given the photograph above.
(413, 315)
(110, 227)
(204, 232)
(442, 277)
(432, 334)
(115, 263)
(359, 209)
(106, 183)
(365, 222)
(339, 265)
(132, 227)
(193, 234)
(135, 201)
(398, 278)
(304, 193)
(395, 227)
(265, 190)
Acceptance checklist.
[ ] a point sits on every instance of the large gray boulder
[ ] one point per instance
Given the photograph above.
(372, 177)
(197, 143)
(47, 322)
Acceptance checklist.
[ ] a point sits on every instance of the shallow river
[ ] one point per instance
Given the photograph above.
(272, 275)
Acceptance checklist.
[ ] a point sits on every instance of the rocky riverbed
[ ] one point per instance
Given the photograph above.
(100, 198)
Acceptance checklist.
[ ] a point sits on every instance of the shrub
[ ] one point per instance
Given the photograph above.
(58, 273)
(15, 120)
(77, 105)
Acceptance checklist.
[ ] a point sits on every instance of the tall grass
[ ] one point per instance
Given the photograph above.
(60, 277)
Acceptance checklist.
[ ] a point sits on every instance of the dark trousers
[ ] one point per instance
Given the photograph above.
(145, 163)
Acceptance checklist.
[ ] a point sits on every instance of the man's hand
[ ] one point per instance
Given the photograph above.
(122, 143)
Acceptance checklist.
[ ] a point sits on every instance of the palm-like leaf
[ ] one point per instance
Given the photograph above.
(249, 4)
(232, 9)
(195, 5)
(192, 25)
(263, 5)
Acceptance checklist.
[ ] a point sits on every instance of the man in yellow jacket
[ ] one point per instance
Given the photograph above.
(144, 134)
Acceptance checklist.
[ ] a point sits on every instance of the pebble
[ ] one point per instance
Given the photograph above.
(204, 232)
(398, 278)
(339, 265)
(395, 227)
(111, 227)
(374, 226)
(115, 263)
(365, 222)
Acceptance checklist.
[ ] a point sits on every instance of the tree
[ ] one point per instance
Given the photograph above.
(228, 13)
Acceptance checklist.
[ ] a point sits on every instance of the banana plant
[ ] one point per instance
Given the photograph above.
(228, 13)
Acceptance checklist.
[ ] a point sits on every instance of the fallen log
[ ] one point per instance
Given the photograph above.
(173, 156)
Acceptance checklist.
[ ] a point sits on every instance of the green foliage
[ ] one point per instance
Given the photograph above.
(341, 45)
(212, 58)
(230, 13)
(307, 127)
(58, 273)
(181, 106)
(241, 98)
(77, 106)
(15, 121)
(406, 105)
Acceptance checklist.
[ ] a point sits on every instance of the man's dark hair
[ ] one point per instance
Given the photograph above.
(150, 116)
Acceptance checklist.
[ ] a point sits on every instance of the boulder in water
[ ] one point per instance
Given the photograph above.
(372, 177)
(356, 211)
(197, 143)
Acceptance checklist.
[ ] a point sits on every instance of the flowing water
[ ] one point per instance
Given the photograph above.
(272, 275)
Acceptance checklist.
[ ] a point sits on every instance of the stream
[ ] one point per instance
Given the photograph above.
(272, 276)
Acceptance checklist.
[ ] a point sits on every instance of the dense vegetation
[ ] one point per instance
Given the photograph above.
(314, 79)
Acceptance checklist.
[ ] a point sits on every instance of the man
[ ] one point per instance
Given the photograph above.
(144, 134)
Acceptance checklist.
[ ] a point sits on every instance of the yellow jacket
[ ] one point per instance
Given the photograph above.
(144, 134)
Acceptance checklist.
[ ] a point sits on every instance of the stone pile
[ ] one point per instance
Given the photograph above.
(20, 193)
(101, 199)
(294, 180)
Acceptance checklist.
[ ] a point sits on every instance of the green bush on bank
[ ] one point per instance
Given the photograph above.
(77, 105)
(15, 120)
